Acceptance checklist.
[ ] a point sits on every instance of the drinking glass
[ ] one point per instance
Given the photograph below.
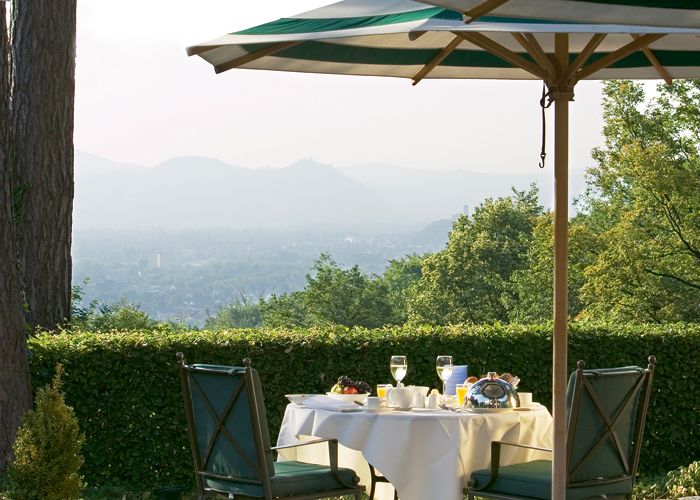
(398, 366)
(381, 390)
(443, 365)
(461, 390)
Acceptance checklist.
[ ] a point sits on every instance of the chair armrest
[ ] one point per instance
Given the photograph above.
(303, 443)
(539, 448)
(496, 459)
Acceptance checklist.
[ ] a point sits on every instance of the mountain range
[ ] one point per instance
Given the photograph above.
(198, 192)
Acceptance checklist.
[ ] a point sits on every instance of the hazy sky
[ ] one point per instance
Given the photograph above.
(140, 99)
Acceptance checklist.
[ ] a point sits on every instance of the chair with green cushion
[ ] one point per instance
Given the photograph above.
(606, 409)
(230, 442)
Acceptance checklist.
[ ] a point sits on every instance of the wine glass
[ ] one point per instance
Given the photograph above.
(398, 366)
(443, 365)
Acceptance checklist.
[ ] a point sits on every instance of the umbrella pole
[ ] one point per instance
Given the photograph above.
(561, 97)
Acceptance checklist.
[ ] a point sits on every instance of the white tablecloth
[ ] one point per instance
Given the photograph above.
(425, 454)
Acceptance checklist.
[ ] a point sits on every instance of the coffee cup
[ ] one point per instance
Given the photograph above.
(375, 403)
(400, 397)
(525, 398)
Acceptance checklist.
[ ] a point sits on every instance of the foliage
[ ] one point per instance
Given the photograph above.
(679, 483)
(122, 315)
(532, 301)
(241, 312)
(47, 455)
(469, 281)
(348, 297)
(644, 202)
(684, 482)
(284, 311)
(125, 387)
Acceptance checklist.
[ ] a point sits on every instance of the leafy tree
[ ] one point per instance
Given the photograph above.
(644, 200)
(345, 296)
(241, 312)
(469, 281)
(532, 301)
(284, 310)
(399, 277)
(121, 315)
(339, 296)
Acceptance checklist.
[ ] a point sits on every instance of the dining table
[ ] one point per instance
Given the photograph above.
(426, 454)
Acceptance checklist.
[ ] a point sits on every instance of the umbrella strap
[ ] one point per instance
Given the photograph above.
(545, 102)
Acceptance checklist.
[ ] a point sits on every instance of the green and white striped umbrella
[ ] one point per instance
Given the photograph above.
(414, 40)
(558, 41)
(669, 13)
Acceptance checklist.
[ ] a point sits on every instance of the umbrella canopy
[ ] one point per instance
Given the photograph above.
(669, 13)
(414, 40)
(573, 41)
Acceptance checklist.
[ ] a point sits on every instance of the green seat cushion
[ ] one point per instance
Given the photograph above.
(291, 478)
(534, 480)
(529, 479)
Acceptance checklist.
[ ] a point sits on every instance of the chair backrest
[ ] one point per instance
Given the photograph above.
(227, 426)
(607, 409)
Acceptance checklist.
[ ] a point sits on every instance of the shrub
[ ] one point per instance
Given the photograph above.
(684, 481)
(126, 389)
(47, 450)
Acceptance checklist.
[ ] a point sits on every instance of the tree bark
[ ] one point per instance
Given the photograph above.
(15, 390)
(43, 94)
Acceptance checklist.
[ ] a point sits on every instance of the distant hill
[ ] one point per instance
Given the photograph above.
(190, 192)
(198, 192)
(423, 195)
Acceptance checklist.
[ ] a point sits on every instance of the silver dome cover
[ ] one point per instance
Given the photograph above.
(492, 392)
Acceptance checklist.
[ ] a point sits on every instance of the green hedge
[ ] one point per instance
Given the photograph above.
(126, 392)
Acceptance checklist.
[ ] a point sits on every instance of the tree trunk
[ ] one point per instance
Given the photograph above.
(43, 93)
(15, 390)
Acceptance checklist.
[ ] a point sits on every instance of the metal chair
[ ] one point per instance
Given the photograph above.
(227, 428)
(377, 478)
(606, 413)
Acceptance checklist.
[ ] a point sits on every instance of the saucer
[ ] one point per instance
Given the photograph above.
(376, 410)
(399, 408)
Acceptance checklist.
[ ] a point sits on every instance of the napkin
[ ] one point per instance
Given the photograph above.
(459, 375)
(321, 402)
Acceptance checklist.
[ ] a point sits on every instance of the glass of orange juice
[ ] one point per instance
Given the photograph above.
(461, 393)
(381, 390)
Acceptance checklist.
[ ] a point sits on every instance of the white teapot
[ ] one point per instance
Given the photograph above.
(400, 397)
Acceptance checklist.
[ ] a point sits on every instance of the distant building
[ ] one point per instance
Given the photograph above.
(156, 260)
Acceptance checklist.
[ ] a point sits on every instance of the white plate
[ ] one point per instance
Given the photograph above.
(399, 408)
(490, 410)
(348, 397)
(298, 399)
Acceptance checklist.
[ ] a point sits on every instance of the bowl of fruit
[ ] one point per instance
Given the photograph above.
(349, 390)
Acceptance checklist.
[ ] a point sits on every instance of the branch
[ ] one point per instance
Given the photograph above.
(680, 280)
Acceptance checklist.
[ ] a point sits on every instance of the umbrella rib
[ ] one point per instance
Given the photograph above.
(620, 53)
(530, 43)
(446, 51)
(504, 53)
(663, 73)
(583, 56)
(252, 56)
(481, 10)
